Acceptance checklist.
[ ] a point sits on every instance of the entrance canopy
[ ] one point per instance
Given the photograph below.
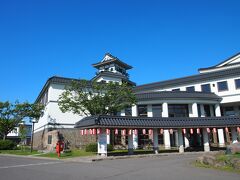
(157, 122)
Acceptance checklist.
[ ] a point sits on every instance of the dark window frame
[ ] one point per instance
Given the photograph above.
(190, 89)
(206, 85)
(143, 110)
(236, 86)
(157, 110)
(222, 86)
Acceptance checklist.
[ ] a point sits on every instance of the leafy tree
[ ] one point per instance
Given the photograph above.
(91, 98)
(22, 134)
(12, 114)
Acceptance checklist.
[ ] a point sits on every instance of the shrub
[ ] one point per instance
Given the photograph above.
(7, 145)
(109, 147)
(93, 147)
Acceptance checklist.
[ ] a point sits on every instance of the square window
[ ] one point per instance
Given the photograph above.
(237, 83)
(222, 86)
(190, 89)
(142, 110)
(206, 88)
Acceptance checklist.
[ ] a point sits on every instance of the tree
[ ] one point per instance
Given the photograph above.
(91, 98)
(12, 114)
(22, 134)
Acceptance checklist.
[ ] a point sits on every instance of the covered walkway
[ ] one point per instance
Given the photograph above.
(197, 129)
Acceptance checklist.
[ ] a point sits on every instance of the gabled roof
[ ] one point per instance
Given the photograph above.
(230, 62)
(187, 80)
(109, 59)
(114, 75)
(157, 122)
(177, 95)
(56, 80)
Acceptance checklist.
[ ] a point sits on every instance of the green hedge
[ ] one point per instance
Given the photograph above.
(93, 147)
(7, 145)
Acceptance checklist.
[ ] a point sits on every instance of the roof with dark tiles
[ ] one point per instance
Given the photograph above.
(187, 80)
(157, 122)
(113, 60)
(162, 95)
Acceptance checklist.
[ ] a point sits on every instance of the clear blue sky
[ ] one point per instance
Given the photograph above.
(160, 39)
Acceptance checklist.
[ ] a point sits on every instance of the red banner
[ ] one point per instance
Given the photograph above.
(198, 130)
(150, 131)
(214, 130)
(82, 132)
(135, 131)
(226, 129)
(208, 130)
(129, 132)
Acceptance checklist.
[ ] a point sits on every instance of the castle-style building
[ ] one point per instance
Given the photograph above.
(201, 110)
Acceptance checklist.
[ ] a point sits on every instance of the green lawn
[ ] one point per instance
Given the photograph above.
(71, 154)
(19, 152)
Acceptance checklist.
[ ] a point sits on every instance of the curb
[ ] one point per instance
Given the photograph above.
(99, 158)
(146, 155)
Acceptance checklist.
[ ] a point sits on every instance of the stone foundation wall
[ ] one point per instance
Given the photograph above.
(71, 137)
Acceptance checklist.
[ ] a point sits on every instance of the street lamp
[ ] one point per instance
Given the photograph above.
(32, 134)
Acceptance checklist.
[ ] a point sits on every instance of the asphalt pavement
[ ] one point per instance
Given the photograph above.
(170, 167)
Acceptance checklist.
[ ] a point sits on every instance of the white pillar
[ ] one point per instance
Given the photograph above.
(186, 141)
(102, 142)
(234, 135)
(155, 141)
(108, 138)
(221, 141)
(217, 110)
(134, 110)
(195, 110)
(205, 140)
(166, 135)
(167, 142)
(149, 110)
(135, 141)
(135, 137)
(202, 111)
(165, 109)
(130, 143)
(180, 141)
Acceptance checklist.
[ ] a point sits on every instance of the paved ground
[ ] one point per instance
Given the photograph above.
(147, 168)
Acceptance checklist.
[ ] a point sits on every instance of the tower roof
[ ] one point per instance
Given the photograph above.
(109, 59)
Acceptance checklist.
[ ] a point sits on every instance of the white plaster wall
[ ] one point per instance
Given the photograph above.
(52, 113)
(107, 79)
(232, 95)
